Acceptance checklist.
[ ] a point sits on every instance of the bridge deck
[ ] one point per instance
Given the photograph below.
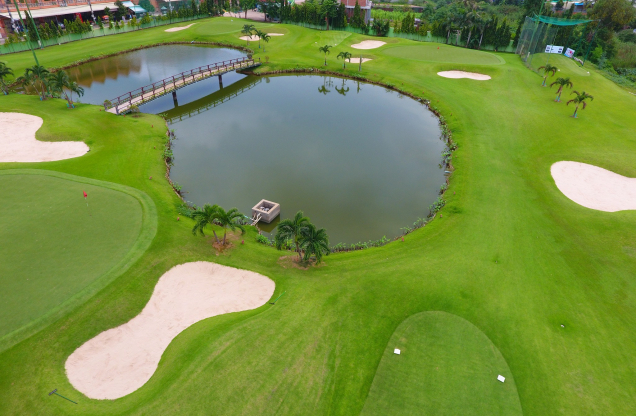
(123, 103)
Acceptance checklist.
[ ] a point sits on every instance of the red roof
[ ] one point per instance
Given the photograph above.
(352, 3)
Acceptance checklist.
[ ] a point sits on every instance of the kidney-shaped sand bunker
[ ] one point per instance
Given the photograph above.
(594, 187)
(122, 359)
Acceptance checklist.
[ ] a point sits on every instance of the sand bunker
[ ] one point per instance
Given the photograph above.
(18, 142)
(121, 360)
(594, 187)
(464, 74)
(254, 37)
(368, 44)
(176, 29)
(357, 60)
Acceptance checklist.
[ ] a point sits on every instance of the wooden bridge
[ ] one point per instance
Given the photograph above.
(213, 100)
(123, 103)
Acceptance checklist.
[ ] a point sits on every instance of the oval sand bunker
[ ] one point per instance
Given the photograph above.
(255, 37)
(594, 187)
(122, 359)
(18, 142)
(368, 44)
(176, 29)
(463, 74)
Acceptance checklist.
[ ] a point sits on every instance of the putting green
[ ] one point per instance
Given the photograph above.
(446, 54)
(447, 366)
(55, 247)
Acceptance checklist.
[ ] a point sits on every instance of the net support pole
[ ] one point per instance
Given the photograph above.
(591, 43)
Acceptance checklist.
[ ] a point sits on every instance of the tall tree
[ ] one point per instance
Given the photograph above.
(5, 71)
(314, 242)
(325, 50)
(204, 217)
(344, 56)
(291, 230)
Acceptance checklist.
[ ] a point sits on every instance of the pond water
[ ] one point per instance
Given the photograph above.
(358, 159)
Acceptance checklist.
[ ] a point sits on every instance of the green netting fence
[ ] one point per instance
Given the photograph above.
(95, 33)
(411, 36)
(539, 34)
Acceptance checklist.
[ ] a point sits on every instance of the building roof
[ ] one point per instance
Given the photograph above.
(58, 11)
(364, 4)
(132, 6)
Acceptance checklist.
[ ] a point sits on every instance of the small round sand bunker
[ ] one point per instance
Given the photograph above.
(368, 44)
(176, 29)
(464, 74)
(18, 142)
(122, 359)
(595, 187)
(357, 60)
(255, 38)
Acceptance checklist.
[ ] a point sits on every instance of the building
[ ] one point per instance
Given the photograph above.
(56, 11)
(365, 5)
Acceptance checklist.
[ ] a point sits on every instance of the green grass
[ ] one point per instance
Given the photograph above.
(57, 247)
(435, 52)
(561, 62)
(446, 366)
(511, 255)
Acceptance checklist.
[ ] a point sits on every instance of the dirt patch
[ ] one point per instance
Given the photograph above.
(121, 360)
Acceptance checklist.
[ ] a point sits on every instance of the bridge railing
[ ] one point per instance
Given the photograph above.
(170, 83)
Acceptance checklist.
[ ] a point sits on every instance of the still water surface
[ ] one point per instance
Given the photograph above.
(359, 160)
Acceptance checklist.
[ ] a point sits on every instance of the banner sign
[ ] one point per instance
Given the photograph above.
(569, 52)
(553, 49)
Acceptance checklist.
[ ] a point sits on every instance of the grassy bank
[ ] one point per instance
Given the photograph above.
(511, 255)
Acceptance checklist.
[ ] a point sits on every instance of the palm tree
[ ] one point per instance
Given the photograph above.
(259, 35)
(266, 38)
(471, 17)
(291, 230)
(314, 242)
(229, 220)
(36, 76)
(344, 56)
(579, 99)
(325, 50)
(561, 82)
(5, 71)
(247, 31)
(547, 68)
(75, 88)
(204, 217)
(58, 81)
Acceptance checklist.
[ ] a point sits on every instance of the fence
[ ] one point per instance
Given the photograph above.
(95, 33)
(454, 38)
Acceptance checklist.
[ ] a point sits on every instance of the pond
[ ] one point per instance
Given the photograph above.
(358, 159)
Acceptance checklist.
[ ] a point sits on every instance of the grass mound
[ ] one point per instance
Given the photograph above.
(56, 246)
(446, 54)
(447, 366)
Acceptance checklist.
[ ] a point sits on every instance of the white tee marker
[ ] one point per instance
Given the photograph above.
(396, 351)
(501, 378)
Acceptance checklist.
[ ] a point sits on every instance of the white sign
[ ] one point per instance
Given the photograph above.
(396, 351)
(569, 52)
(553, 49)
(501, 378)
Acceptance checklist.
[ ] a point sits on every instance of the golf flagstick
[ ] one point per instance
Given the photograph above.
(86, 199)
(57, 394)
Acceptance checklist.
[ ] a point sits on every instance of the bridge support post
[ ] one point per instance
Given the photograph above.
(221, 82)
(174, 98)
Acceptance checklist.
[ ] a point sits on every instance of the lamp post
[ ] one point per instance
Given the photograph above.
(24, 26)
(92, 14)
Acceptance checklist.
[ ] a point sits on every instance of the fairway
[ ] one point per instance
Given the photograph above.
(54, 246)
(434, 52)
(568, 67)
(524, 281)
(446, 366)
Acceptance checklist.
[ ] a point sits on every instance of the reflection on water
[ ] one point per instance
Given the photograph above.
(108, 78)
(359, 160)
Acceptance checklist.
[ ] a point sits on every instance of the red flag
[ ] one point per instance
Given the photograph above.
(85, 194)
